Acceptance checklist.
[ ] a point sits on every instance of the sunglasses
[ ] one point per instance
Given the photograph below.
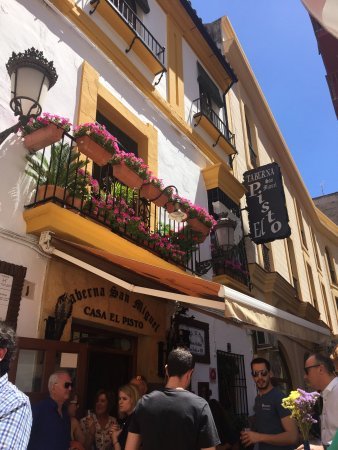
(68, 385)
(307, 369)
(256, 373)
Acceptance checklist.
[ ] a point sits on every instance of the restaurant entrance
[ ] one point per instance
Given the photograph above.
(111, 360)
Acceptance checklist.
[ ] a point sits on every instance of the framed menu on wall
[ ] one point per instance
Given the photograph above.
(198, 338)
(12, 278)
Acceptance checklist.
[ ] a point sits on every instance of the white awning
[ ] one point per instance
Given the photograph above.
(195, 291)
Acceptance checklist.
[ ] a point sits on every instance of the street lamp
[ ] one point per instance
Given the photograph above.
(225, 237)
(31, 77)
(177, 213)
(225, 232)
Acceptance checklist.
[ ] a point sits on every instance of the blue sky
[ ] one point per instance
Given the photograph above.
(278, 39)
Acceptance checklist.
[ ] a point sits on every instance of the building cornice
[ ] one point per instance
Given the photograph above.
(279, 150)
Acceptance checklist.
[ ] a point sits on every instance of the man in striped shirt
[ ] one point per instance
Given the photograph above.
(15, 410)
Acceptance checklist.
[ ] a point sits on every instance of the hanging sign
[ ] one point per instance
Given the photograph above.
(268, 216)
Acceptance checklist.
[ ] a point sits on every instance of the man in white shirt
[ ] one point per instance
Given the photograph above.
(320, 375)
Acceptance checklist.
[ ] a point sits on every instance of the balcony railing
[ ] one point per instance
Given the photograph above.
(201, 108)
(131, 19)
(62, 175)
(231, 262)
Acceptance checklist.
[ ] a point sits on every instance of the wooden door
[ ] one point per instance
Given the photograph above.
(37, 359)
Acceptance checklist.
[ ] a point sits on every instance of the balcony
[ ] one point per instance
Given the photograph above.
(139, 39)
(231, 262)
(214, 126)
(62, 175)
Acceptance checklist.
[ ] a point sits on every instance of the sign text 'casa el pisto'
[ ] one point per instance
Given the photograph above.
(268, 216)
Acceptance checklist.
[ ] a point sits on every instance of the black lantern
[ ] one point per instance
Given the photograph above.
(225, 233)
(31, 77)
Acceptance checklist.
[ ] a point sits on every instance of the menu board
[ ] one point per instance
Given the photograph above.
(6, 282)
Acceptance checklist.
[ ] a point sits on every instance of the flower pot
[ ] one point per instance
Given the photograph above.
(127, 176)
(196, 225)
(51, 191)
(43, 137)
(74, 202)
(153, 193)
(93, 150)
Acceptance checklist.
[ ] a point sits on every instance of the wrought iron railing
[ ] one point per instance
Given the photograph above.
(231, 261)
(131, 19)
(200, 107)
(62, 175)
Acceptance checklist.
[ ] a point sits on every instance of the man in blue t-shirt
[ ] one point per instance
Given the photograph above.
(173, 419)
(274, 427)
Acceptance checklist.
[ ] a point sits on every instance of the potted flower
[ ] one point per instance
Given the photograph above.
(44, 130)
(129, 169)
(200, 220)
(57, 175)
(94, 141)
(154, 191)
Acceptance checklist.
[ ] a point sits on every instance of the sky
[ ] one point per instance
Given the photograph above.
(278, 40)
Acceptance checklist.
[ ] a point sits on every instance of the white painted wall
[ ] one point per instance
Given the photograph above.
(221, 333)
(24, 252)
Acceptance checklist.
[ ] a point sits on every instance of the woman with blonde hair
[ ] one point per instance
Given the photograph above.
(127, 399)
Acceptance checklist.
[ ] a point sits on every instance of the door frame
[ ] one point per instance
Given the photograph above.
(51, 348)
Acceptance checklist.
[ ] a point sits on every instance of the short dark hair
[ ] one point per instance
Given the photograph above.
(261, 361)
(7, 340)
(180, 360)
(325, 360)
(109, 396)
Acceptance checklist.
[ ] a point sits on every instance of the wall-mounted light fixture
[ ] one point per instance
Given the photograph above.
(31, 77)
(177, 212)
(225, 241)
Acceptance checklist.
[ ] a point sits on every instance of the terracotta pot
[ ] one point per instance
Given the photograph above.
(74, 202)
(127, 176)
(52, 191)
(43, 137)
(93, 150)
(153, 193)
(196, 225)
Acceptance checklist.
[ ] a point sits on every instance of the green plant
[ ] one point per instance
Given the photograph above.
(61, 168)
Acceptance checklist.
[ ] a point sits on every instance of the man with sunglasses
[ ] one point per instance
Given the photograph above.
(51, 422)
(274, 427)
(320, 375)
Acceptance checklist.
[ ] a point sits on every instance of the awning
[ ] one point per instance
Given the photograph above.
(174, 286)
(252, 312)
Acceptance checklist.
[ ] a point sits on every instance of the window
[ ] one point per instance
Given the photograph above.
(228, 261)
(102, 173)
(312, 287)
(266, 257)
(330, 264)
(209, 92)
(293, 266)
(232, 382)
(315, 247)
(301, 225)
(251, 144)
(326, 306)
